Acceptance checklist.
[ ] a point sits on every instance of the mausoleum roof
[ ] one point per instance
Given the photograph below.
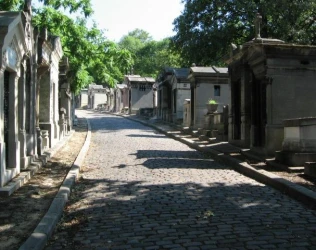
(149, 79)
(95, 86)
(140, 79)
(181, 73)
(121, 85)
(209, 70)
(7, 17)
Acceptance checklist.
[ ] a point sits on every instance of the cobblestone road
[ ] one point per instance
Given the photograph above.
(146, 191)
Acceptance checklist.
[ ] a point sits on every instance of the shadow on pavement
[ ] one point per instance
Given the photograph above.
(109, 124)
(125, 215)
(148, 136)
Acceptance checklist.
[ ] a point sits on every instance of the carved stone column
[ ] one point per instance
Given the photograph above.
(2, 152)
(245, 106)
(62, 123)
(45, 139)
(21, 110)
(13, 140)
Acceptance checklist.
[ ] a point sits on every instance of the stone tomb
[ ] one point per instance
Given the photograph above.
(110, 92)
(216, 124)
(186, 113)
(121, 97)
(50, 53)
(16, 81)
(180, 92)
(83, 99)
(207, 83)
(97, 94)
(140, 92)
(164, 105)
(66, 99)
(27, 94)
(173, 88)
(299, 144)
(270, 82)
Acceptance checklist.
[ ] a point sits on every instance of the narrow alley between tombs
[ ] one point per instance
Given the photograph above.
(142, 190)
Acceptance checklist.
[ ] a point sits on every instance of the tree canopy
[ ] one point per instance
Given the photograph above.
(91, 56)
(149, 56)
(206, 28)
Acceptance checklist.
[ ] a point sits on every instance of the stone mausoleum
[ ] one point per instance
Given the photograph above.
(207, 83)
(271, 81)
(49, 54)
(17, 93)
(141, 94)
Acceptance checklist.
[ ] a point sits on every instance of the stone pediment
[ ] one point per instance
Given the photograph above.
(63, 66)
(57, 47)
(12, 39)
(44, 49)
(11, 56)
(50, 49)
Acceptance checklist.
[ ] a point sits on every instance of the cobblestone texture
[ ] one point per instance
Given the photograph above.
(146, 191)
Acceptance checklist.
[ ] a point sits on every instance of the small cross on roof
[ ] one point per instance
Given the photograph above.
(257, 22)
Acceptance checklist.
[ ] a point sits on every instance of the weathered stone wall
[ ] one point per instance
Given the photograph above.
(83, 99)
(44, 100)
(182, 94)
(99, 98)
(141, 99)
(203, 93)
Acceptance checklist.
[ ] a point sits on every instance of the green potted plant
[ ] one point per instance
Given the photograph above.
(211, 106)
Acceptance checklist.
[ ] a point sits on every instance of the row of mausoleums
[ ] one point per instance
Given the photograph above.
(35, 101)
(265, 99)
(135, 94)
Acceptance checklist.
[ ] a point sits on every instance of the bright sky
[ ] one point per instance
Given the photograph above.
(118, 17)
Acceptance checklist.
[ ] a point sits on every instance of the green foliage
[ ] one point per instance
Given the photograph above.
(212, 101)
(142, 35)
(149, 55)
(206, 28)
(12, 5)
(73, 6)
(91, 56)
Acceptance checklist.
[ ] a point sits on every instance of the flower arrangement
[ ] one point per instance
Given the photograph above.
(211, 106)
(212, 101)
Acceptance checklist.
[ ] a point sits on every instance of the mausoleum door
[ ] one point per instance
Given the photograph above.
(169, 97)
(192, 103)
(6, 120)
(159, 102)
(175, 101)
(258, 113)
(236, 92)
(129, 100)
(28, 97)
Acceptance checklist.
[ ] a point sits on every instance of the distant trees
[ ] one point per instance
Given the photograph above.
(149, 56)
(206, 28)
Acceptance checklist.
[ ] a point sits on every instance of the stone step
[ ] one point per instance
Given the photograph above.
(310, 169)
(291, 169)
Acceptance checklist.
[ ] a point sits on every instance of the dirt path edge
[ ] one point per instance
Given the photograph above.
(46, 226)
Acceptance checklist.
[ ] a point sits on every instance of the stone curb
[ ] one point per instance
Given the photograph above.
(295, 191)
(46, 226)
